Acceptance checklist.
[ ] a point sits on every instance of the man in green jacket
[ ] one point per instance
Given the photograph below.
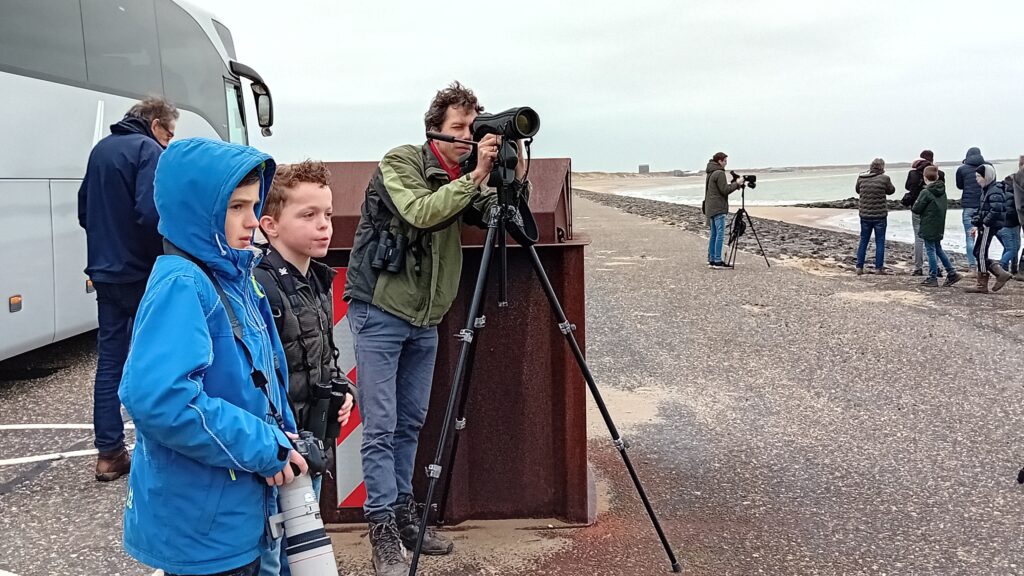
(716, 206)
(931, 207)
(415, 205)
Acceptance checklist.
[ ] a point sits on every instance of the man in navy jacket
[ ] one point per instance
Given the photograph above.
(115, 207)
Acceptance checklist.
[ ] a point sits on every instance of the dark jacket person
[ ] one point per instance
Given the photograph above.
(716, 206)
(872, 187)
(116, 209)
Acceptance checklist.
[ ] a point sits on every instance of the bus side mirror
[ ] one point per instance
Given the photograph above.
(260, 93)
(264, 107)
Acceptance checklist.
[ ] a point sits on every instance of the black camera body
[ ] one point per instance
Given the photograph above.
(312, 451)
(749, 180)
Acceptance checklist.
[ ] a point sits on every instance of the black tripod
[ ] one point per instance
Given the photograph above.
(740, 221)
(504, 216)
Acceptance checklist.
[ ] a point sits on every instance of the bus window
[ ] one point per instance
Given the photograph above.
(194, 71)
(236, 122)
(43, 37)
(121, 49)
(225, 37)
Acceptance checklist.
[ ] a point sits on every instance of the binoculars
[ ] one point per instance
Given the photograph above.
(390, 254)
(326, 400)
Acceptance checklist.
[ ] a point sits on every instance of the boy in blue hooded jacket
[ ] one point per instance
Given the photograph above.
(209, 452)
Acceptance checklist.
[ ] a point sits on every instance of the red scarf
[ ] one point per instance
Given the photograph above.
(453, 171)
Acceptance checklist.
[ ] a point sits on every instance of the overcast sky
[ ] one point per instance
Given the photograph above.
(663, 82)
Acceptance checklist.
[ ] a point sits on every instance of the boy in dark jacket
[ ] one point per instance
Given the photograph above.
(297, 223)
(991, 216)
(930, 207)
(915, 183)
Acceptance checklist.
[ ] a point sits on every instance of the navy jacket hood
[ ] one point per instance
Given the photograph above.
(974, 157)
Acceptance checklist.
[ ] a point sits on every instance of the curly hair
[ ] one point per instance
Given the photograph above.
(289, 176)
(454, 95)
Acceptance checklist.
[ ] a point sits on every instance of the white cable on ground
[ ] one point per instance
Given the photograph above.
(54, 456)
(127, 425)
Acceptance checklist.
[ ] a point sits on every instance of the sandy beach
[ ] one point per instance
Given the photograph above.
(812, 217)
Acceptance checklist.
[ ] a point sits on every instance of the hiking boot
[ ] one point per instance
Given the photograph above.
(112, 465)
(930, 282)
(1002, 276)
(917, 272)
(723, 265)
(882, 272)
(952, 279)
(860, 271)
(389, 556)
(981, 287)
(1019, 276)
(407, 516)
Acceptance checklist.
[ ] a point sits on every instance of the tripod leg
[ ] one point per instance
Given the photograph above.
(620, 443)
(754, 230)
(460, 423)
(466, 336)
(733, 241)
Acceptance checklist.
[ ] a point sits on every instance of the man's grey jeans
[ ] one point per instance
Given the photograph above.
(394, 370)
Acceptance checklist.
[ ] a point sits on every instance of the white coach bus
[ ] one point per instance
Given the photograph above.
(68, 70)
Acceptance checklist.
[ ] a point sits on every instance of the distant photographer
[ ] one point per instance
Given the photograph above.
(402, 278)
(717, 189)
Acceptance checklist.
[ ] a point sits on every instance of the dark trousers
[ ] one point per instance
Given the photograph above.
(251, 569)
(867, 227)
(117, 304)
(981, 246)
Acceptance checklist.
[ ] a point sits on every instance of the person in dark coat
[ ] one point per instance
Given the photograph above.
(873, 187)
(989, 219)
(1009, 235)
(717, 189)
(116, 209)
(930, 208)
(971, 198)
(915, 183)
(1018, 200)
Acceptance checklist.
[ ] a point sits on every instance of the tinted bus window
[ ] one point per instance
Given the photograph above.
(193, 69)
(121, 45)
(225, 37)
(43, 37)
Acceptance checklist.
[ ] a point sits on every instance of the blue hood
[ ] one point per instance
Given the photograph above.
(974, 157)
(194, 180)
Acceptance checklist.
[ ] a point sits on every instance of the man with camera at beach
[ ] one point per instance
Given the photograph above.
(717, 188)
(402, 278)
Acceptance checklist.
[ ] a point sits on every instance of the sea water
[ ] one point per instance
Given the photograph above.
(827, 184)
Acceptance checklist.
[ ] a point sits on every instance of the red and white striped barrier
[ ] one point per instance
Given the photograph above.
(348, 464)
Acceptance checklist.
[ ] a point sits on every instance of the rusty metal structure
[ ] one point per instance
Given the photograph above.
(524, 451)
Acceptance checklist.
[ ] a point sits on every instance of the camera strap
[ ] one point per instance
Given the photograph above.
(259, 379)
(321, 293)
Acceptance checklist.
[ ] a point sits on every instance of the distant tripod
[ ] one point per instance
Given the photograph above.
(738, 227)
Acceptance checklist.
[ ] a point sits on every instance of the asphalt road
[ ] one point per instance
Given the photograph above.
(792, 420)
